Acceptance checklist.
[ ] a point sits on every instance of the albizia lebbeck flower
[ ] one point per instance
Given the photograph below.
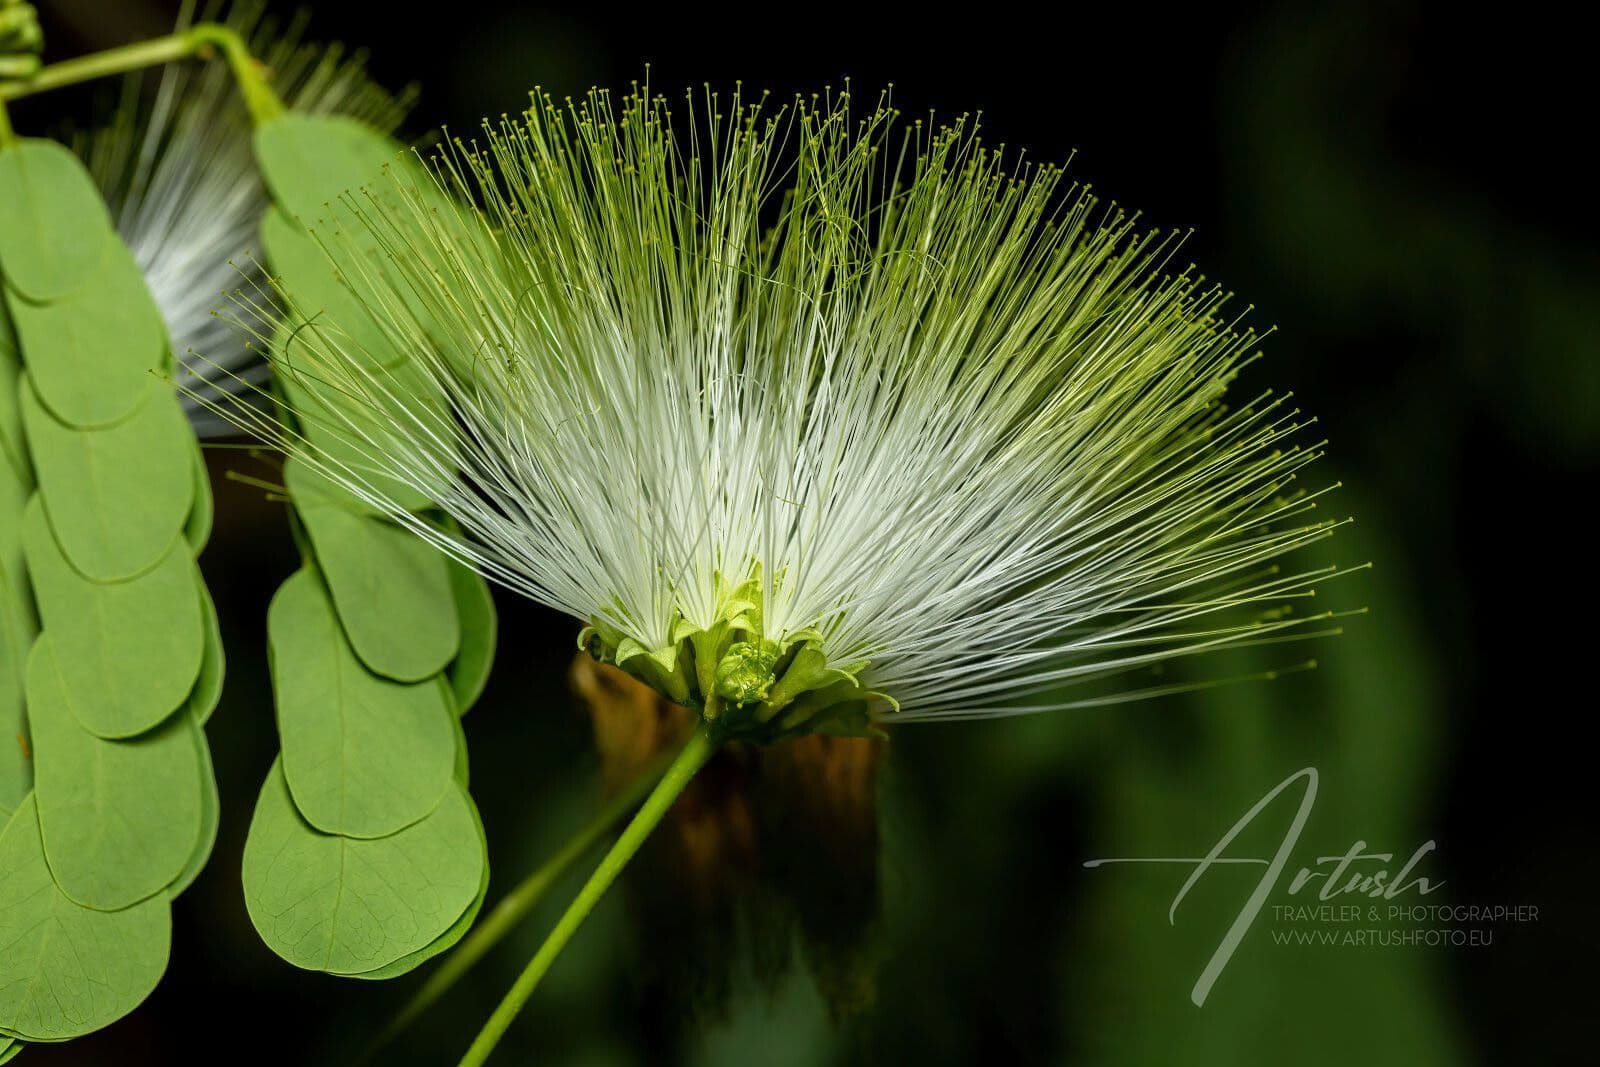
(815, 418)
(177, 169)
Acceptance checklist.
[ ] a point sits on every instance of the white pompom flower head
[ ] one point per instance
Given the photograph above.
(176, 167)
(816, 419)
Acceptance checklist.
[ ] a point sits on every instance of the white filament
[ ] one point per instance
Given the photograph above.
(963, 422)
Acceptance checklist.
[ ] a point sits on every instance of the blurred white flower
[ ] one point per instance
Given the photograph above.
(176, 166)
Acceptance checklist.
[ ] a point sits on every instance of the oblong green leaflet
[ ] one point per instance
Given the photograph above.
(197, 529)
(324, 170)
(309, 160)
(412, 960)
(129, 652)
(16, 485)
(16, 637)
(116, 497)
(463, 767)
(213, 667)
(54, 228)
(119, 818)
(479, 624)
(322, 296)
(68, 970)
(363, 756)
(15, 490)
(345, 428)
(93, 355)
(18, 627)
(348, 905)
(12, 452)
(210, 818)
(392, 589)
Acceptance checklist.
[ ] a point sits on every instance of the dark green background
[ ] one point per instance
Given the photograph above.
(1405, 192)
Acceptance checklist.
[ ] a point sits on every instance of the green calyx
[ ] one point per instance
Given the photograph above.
(746, 673)
(750, 687)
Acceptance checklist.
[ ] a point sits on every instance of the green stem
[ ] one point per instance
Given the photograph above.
(247, 71)
(516, 905)
(102, 64)
(699, 749)
(8, 136)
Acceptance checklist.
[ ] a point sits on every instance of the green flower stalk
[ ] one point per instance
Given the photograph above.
(176, 167)
(816, 419)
